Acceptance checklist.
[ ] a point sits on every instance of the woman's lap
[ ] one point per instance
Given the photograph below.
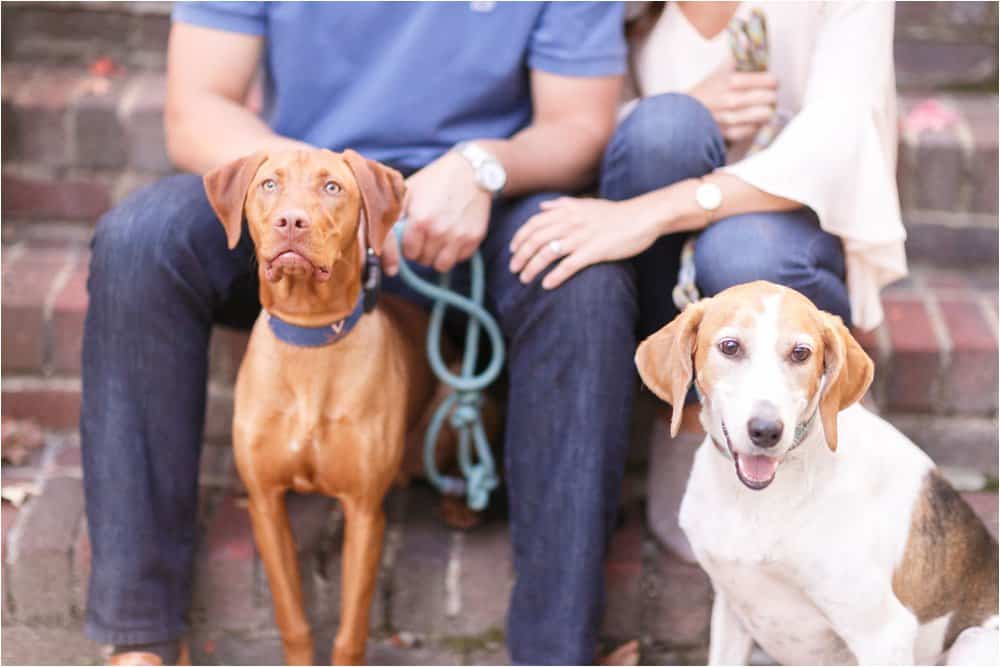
(655, 149)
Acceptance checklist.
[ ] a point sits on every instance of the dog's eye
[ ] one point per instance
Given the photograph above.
(729, 347)
(800, 353)
(269, 185)
(331, 187)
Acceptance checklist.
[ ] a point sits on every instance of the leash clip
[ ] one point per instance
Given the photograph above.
(372, 280)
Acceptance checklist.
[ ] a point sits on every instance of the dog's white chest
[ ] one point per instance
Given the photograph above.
(785, 623)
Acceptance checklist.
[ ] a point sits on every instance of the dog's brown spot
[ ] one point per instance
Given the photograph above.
(950, 562)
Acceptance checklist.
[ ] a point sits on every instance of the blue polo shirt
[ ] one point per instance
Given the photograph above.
(403, 82)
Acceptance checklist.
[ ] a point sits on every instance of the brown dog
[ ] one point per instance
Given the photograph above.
(330, 418)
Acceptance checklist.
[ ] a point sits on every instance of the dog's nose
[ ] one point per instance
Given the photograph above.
(292, 222)
(765, 432)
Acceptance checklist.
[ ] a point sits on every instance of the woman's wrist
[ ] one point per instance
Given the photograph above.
(673, 208)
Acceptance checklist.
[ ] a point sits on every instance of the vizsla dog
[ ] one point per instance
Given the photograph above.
(326, 392)
(829, 537)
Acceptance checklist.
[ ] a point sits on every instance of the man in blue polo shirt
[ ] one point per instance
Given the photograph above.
(488, 108)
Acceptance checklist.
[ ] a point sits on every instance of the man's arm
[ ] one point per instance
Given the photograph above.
(573, 118)
(208, 75)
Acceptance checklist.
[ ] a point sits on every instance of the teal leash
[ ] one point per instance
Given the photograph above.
(464, 404)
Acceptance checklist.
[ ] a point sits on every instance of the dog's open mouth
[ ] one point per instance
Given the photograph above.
(291, 262)
(756, 471)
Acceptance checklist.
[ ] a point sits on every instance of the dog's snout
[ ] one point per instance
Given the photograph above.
(292, 222)
(765, 428)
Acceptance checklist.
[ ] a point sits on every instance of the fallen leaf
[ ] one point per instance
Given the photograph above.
(17, 492)
(19, 440)
(626, 654)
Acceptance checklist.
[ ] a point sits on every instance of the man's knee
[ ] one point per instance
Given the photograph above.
(148, 233)
(597, 302)
(667, 137)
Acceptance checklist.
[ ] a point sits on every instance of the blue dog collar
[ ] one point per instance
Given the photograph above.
(316, 336)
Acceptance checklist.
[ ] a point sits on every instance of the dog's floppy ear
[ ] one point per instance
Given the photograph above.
(382, 190)
(227, 186)
(666, 360)
(849, 371)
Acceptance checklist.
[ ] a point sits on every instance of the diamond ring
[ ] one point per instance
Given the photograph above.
(555, 247)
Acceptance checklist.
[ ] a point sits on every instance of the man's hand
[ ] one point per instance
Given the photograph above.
(740, 102)
(448, 215)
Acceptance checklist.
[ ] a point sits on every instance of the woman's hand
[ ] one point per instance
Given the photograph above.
(578, 233)
(740, 102)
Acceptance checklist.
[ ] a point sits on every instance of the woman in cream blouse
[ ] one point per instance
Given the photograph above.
(816, 210)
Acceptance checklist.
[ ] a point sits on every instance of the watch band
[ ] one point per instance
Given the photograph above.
(490, 173)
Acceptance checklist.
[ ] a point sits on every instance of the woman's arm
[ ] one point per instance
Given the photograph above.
(816, 161)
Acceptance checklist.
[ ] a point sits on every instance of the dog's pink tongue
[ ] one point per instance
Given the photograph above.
(758, 468)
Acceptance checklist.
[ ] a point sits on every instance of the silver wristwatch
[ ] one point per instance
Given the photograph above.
(490, 174)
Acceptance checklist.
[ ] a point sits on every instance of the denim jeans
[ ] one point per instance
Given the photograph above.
(672, 137)
(161, 276)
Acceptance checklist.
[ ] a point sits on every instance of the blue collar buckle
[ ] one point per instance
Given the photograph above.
(327, 334)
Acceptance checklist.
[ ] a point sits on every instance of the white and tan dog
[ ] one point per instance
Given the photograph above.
(828, 536)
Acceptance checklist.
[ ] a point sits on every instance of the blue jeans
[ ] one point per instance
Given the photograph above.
(672, 137)
(161, 276)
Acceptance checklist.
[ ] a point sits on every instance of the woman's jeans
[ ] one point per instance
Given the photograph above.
(673, 137)
(161, 276)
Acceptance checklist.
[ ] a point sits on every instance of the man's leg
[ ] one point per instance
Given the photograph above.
(160, 273)
(571, 386)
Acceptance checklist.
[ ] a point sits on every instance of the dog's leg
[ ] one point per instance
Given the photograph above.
(880, 631)
(364, 529)
(729, 642)
(277, 550)
(976, 646)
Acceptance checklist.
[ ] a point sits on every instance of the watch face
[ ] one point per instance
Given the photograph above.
(709, 196)
(492, 176)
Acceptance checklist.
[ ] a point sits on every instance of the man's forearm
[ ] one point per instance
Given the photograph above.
(561, 156)
(220, 131)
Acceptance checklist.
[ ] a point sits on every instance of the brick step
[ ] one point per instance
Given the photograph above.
(441, 594)
(936, 354)
(947, 174)
(133, 34)
(946, 45)
(77, 143)
(937, 44)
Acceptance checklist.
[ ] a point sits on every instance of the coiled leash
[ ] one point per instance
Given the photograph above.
(464, 404)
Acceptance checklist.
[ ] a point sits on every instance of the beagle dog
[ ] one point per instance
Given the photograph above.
(828, 536)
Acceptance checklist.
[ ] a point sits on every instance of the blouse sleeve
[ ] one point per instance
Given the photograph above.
(837, 154)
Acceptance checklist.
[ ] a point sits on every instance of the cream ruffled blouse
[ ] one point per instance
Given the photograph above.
(837, 152)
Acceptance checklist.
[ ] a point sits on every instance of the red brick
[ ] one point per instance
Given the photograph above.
(9, 519)
(66, 325)
(226, 353)
(970, 382)
(487, 577)
(39, 574)
(57, 199)
(143, 111)
(26, 284)
(54, 404)
(916, 362)
(985, 506)
(623, 578)
(69, 458)
(677, 602)
(225, 573)
(38, 106)
(81, 568)
(100, 135)
(419, 596)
